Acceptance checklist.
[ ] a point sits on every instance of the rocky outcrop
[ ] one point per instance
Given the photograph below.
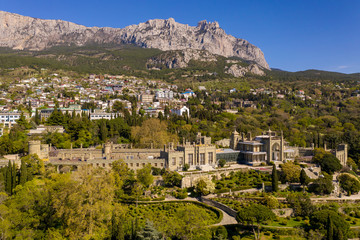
(20, 32)
(179, 59)
(239, 71)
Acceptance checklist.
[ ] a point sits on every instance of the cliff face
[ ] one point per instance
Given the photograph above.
(20, 32)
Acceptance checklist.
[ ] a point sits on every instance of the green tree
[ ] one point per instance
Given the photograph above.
(254, 215)
(56, 118)
(291, 172)
(23, 173)
(8, 179)
(204, 186)
(319, 220)
(144, 175)
(222, 162)
(349, 183)
(329, 229)
(22, 122)
(274, 179)
(322, 185)
(37, 119)
(13, 176)
(172, 179)
(103, 130)
(304, 179)
(300, 203)
(118, 220)
(328, 162)
(153, 131)
(186, 167)
(149, 232)
(35, 166)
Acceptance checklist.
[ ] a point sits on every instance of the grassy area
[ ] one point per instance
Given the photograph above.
(283, 222)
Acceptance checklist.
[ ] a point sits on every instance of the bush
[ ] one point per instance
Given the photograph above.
(186, 167)
(222, 162)
(283, 222)
(180, 194)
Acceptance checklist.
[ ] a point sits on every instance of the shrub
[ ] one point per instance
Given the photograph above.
(222, 162)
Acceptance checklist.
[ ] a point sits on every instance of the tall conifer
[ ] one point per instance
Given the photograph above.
(13, 177)
(8, 181)
(275, 179)
(23, 173)
(330, 229)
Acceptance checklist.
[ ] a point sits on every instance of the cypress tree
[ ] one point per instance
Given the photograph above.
(13, 177)
(37, 117)
(8, 181)
(275, 179)
(149, 232)
(23, 173)
(330, 229)
(304, 179)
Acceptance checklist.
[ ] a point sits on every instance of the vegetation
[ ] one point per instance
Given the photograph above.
(254, 215)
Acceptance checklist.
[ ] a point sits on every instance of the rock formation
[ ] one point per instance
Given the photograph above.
(180, 58)
(20, 32)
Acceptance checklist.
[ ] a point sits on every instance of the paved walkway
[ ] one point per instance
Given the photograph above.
(227, 219)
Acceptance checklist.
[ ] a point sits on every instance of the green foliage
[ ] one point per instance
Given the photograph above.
(220, 233)
(290, 172)
(274, 180)
(81, 207)
(176, 220)
(322, 185)
(222, 162)
(186, 167)
(304, 179)
(254, 215)
(328, 162)
(149, 232)
(320, 220)
(349, 183)
(172, 179)
(23, 173)
(300, 203)
(144, 175)
(203, 186)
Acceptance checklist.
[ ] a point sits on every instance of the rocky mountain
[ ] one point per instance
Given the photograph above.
(20, 32)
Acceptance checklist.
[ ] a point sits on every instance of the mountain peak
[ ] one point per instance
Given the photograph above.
(205, 24)
(20, 32)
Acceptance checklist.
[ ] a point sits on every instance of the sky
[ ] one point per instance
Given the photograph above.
(294, 35)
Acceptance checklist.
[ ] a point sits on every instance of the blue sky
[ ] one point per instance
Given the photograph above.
(294, 35)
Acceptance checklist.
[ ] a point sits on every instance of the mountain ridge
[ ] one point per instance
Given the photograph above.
(21, 32)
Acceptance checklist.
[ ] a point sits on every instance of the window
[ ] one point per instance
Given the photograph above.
(202, 158)
(191, 159)
(210, 156)
(155, 164)
(131, 164)
(181, 160)
(137, 164)
(161, 164)
(173, 161)
(143, 164)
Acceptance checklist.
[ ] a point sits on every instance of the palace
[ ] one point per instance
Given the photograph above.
(269, 147)
(201, 154)
(198, 155)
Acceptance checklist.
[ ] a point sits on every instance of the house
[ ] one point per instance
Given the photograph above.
(181, 111)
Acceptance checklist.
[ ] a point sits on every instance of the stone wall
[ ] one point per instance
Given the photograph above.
(221, 206)
(190, 177)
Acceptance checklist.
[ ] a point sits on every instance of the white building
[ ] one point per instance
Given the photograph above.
(9, 118)
(102, 115)
(181, 111)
